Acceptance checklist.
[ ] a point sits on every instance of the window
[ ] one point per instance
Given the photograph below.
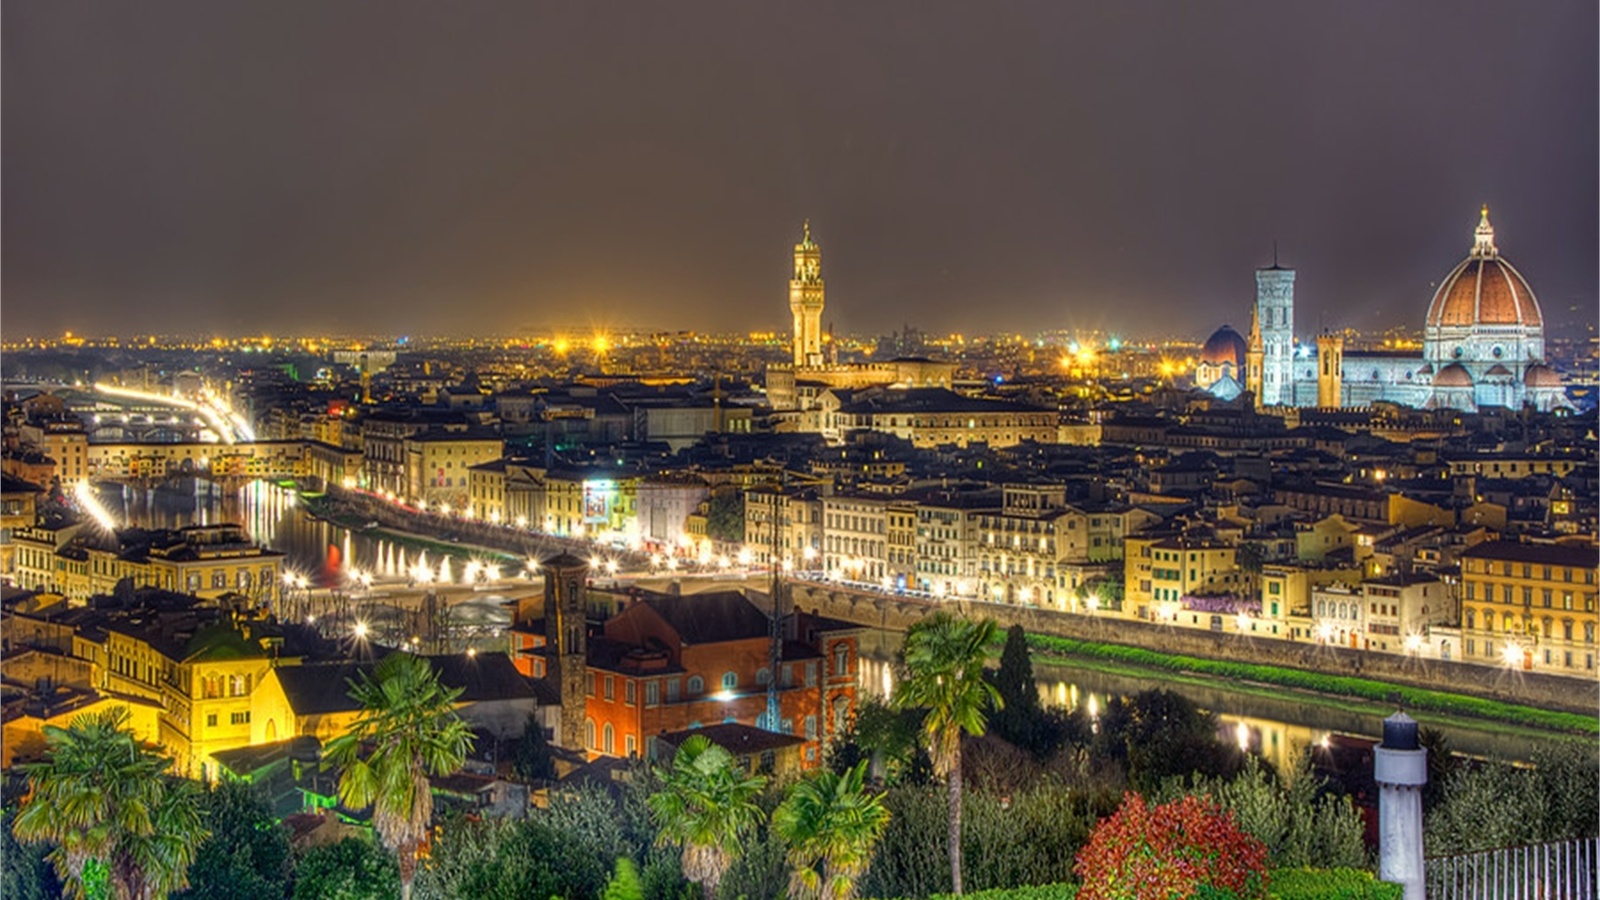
(219, 579)
(610, 739)
(630, 745)
(652, 693)
(611, 688)
(811, 728)
(841, 659)
(763, 676)
(627, 692)
(588, 733)
(811, 674)
(730, 680)
(211, 720)
(1566, 629)
(240, 718)
(697, 685)
(590, 685)
(672, 690)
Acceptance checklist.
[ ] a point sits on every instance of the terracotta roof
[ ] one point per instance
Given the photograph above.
(1487, 291)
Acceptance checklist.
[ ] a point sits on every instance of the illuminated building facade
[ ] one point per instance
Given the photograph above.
(1530, 606)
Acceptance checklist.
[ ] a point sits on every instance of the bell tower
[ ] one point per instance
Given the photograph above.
(805, 301)
(1275, 315)
(566, 635)
(1330, 371)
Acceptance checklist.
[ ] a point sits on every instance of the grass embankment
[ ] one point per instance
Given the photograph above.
(1137, 660)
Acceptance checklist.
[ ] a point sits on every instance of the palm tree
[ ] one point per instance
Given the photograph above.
(944, 659)
(706, 805)
(409, 724)
(110, 808)
(831, 823)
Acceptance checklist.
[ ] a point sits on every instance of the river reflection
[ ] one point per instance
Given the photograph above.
(1278, 728)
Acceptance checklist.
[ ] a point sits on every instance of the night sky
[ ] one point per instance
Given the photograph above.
(483, 168)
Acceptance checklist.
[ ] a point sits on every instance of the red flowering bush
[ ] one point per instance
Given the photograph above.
(1169, 852)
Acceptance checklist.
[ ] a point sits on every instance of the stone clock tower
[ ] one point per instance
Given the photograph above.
(567, 641)
(805, 301)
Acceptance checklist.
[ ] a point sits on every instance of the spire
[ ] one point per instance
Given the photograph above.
(805, 239)
(1483, 236)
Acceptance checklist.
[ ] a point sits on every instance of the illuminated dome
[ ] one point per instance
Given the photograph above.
(1224, 348)
(1484, 289)
(1453, 375)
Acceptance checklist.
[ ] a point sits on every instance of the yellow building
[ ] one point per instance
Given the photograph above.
(438, 465)
(18, 505)
(1162, 574)
(1530, 606)
(22, 733)
(204, 560)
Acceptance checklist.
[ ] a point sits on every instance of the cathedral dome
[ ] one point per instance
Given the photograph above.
(1542, 376)
(1224, 347)
(1484, 289)
(1453, 375)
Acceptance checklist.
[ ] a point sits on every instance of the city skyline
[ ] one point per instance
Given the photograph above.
(515, 170)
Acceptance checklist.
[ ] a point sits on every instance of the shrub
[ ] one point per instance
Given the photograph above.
(1170, 850)
(1299, 825)
(1331, 884)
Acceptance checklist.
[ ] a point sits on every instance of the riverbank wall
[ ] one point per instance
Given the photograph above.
(898, 614)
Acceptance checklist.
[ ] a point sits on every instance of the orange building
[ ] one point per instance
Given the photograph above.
(671, 663)
(668, 663)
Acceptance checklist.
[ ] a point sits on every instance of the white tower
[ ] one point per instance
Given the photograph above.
(1400, 766)
(1275, 315)
(805, 301)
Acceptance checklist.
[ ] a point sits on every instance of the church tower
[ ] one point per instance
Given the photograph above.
(1330, 371)
(1275, 315)
(1252, 359)
(805, 301)
(566, 635)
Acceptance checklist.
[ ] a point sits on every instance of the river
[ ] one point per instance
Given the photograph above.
(1277, 727)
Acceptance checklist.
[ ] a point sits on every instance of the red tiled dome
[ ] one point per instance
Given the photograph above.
(1484, 289)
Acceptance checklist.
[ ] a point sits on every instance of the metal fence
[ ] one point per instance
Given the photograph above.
(1566, 870)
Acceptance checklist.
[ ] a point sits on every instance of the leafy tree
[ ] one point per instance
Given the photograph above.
(944, 659)
(352, 869)
(409, 724)
(247, 855)
(831, 823)
(1159, 734)
(725, 518)
(25, 872)
(1172, 850)
(886, 736)
(706, 806)
(1251, 556)
(531, 759)
(105, 802)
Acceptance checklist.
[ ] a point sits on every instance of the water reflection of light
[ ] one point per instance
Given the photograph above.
(1241, 733)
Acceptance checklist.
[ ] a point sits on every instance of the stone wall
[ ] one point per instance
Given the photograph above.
(1528, 688)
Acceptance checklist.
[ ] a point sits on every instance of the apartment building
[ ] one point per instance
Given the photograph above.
(1530, 606)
